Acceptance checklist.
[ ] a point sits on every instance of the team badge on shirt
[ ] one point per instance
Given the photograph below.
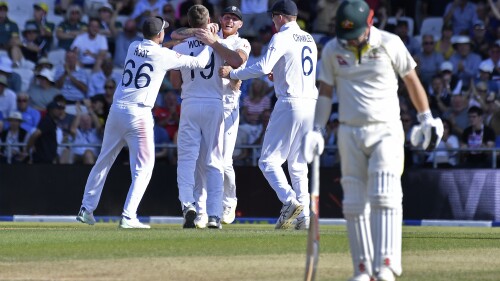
(341, 60)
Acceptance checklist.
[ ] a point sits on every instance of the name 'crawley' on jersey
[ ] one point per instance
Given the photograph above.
(292, 57)
(144, 70)
(367, 86)
(200, 83)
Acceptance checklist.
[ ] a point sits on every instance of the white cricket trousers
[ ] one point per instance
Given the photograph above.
(231, 123)
(290, 120)
(201, 121)
(126, 125)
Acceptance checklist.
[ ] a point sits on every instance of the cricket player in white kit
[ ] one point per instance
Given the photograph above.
(231, 21)
(363, 64)
(130, 120)
(292, 58)
(201, 124)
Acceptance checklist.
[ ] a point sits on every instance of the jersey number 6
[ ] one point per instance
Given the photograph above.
(138, 75)
(308, 59)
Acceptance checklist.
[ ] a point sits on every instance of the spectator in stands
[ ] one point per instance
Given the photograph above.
(44, 139)
(127, 6)
(71, 27)
(465, 62)
(452, 83)
(123, 40)
(43, 90)
(444, 44)
(411, 43)
(8, 28)
(492, 107)
(31, 47)
(461, 14)
(14, 80)
(103, 70)
(255, 16)
(478, 93)
(480, 42)
(485, 75)
(61, 6)
(167, 116)
(71, 79)
(477, 135)
(31, 116)
(86, 130)
(428, 61)
(110, 26)
(169, 15)
(493, 61)
(109, 91)
(147, 8)
(256, 101)
(42, 63)
(325, 13)
(100, 107)
(14, 134)
(90, 46)
(7, 98)
(45, 28)
(457, 113)
(444, 158)
(64, 135)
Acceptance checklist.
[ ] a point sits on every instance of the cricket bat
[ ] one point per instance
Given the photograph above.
(313, 236)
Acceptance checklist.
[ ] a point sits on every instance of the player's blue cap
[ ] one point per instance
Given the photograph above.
(153, 26)
(233, 10)
(353, 17)
(285, 7)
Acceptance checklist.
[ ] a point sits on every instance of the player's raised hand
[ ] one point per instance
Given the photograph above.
(213, 27)
(224, 71)
(206, 36)
(313, 143)
(270, 76)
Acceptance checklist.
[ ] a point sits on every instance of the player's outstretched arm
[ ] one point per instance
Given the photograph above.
(233, 58)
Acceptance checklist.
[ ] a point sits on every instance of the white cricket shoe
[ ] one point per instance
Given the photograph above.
(385, 274)
(362, 277)
(85, 216)
(189, 213)
(214, 222)
(289, 212)
(228, 215)
(302, 223)
(132, 223)
(201, 221)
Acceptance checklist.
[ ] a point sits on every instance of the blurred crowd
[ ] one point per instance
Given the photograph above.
(60, 68)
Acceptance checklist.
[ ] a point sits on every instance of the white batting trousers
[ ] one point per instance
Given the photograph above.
(231, 123)
(290, 120)
(201, 122)
(132, 126)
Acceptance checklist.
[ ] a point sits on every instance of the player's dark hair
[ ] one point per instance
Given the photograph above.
(198, 16)
(475, 109)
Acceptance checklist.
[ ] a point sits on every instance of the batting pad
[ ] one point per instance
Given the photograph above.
(386, 220)
(357, 215)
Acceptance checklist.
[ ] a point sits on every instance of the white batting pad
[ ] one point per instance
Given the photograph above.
(386, 220)
(357, 215)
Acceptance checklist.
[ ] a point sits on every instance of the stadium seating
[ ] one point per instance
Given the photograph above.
(432, 25)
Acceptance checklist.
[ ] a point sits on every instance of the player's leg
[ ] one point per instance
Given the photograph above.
(212, 136)
(200, 190)
(386, 195)
(356, 209)
(140, 140)
(112, 144)
(297, 164)
(275, 149)
(229, 201)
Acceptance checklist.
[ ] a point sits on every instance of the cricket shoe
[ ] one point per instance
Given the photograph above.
(214, 222)
(85, 216)
(132, 223)
(201, 221)
(289, 212)
(189, 213)
(228, 215)
(385, 274)
(302, 223)
(362, 277)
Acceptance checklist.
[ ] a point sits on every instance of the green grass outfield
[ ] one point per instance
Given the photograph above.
(74, 251)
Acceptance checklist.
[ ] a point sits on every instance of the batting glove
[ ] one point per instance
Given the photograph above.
(313, 144)
(428, 133)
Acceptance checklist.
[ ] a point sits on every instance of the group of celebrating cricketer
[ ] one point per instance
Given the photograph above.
(362, 66)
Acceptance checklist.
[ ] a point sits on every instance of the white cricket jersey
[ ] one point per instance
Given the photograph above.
(233, 42)
(292, 57)
(367, 85)
(200, 83)
(144, 70)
